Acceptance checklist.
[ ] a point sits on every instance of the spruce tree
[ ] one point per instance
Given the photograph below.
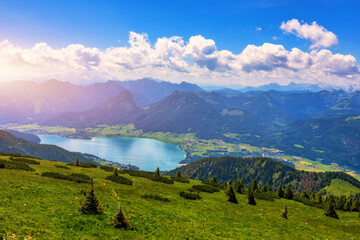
(280, 191)
(318, 198)
(284, 215)
(312, 195)
(157, 172)
(238, 186)
(213, 179)
(264, 188)
(348, 204)
(116, 172)
(242, 185)
(356, 206)
(77, 163)
(230, 193)
(178, 174)
(288, 192)
(340, 202)
(303, 194)
(91, 204)
(270, 188)
(250, 196)
(120, 220)
(228, 184)
(330, 209)
(254, 186)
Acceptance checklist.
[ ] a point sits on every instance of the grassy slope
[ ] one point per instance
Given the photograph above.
(340, 187)
(45, 208)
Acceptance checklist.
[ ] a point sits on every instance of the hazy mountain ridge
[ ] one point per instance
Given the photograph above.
(11, 144)
(119, 109)
(148, 91)
(29, 102)
(185, 112)
(26, 136)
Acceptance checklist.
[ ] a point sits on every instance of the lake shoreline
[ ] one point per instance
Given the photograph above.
(88, 136)
(144, 153)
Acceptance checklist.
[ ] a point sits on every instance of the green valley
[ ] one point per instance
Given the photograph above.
(194, 147)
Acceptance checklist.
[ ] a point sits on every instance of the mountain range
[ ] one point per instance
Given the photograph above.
(147, 91)
(29, 102)
(115, 110)
(291, 87)
(319, 125)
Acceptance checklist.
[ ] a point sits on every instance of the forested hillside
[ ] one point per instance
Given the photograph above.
(264, 170)
(11, 144)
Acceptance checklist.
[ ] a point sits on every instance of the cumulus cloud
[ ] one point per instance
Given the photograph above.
(174, 59)
(318, 35)
(258, 29)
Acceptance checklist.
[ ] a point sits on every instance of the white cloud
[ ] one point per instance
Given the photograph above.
(318, 35)
(258, 29)
(171, 58)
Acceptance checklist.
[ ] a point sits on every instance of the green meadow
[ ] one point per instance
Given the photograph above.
(37, 207)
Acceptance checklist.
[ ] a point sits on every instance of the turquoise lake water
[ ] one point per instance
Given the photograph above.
(147, 154)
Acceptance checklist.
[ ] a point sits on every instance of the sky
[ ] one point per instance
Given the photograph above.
(224, 43)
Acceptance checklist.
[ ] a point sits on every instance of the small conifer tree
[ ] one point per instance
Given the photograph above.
(270, 188)
(91, 204)
(348, 204)
(250, 196)
(284, 215)
(178, 174)
(288, 192)
(213, 179)
(230, 193)
(264, 188)
(157, 172)
(280, 191)
(254, 186)
(239, 186)
(304, 194)
(312, 195)
(242, 185)
(120, 220)
(228, 184)
(77, 163)
(330, 209)
(318, 198)
(356, 207)
(116, 172)
(340, 203)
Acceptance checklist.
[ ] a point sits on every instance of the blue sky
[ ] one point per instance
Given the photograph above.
(232, 25)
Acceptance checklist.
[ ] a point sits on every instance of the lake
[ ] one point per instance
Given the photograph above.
(147, 154)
